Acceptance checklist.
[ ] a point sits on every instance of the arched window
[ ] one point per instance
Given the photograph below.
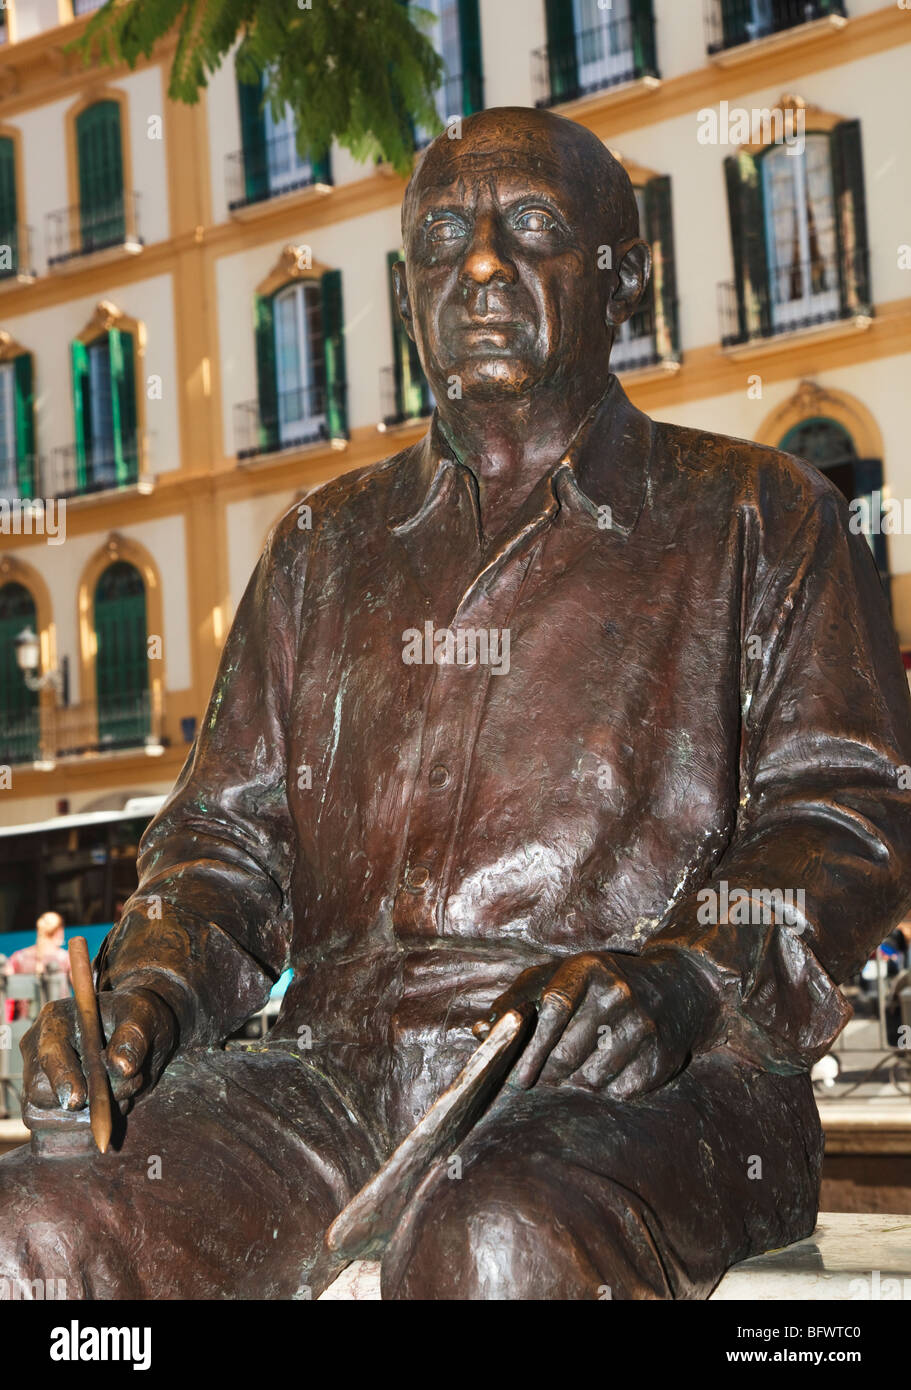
(121, 662)
(827, 444)
(102, 212)
(19, 719)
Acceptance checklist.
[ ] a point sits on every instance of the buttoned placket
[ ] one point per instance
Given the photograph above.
(453, 711)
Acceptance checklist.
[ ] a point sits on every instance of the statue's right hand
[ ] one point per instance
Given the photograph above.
(142, 1034)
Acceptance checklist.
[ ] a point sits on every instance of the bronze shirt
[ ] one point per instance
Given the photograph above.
(703, 689)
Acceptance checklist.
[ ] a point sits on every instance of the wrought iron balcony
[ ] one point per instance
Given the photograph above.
(270, 172)
(299, 417)
(401, 401)
(593, 59)
(793, 298)
(729, 23)
(78, 231)
(53, 732)
(646, 340)
(76, 471)
(16, 259)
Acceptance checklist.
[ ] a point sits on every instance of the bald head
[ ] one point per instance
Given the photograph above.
(501, 136)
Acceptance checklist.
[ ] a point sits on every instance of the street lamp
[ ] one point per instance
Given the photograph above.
(28, 659)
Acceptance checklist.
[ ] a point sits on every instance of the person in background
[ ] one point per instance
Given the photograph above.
(47, 954)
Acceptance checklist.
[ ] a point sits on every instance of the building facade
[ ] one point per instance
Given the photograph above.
(196, 325)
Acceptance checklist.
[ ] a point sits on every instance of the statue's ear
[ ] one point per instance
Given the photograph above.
(632, 266)
(400, 289)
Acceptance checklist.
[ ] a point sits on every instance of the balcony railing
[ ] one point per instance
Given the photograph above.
(729, 23)
(75, 471)
(16, 261)
(400, 403)
(793, 298)
(593, 59)
(255, 176)
(77, 731)
(79, 231)
(300, 417)
(646, 342)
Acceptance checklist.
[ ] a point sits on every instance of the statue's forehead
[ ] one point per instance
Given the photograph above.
(462, 171)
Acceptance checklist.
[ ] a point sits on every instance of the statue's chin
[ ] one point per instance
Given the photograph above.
(490, 377)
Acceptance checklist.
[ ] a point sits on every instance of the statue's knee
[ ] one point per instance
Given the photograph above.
(489, 1234)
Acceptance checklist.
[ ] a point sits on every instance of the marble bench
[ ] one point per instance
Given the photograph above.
(846, 1257)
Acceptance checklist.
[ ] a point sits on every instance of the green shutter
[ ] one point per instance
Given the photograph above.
(102, 220)
(25, 424)
(751, 272)
(851, 218)
(9, 222)
(470, 44)
(266, 382)
(334, 349)
(253, 138)
(412, 394)
(561, 51)
(122, 663)
(322, 168)
(643, 34)
(659, 230)
(82, 421)
(123, 405)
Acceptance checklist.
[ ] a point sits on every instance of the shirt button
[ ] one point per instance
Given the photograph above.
(438, 776)
(417, 877)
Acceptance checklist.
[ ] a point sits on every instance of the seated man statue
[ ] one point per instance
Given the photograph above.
(559, 705)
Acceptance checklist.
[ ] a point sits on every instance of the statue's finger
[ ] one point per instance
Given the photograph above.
(616, 1044)
(554, 1014)
(61, 1065)
(128, 1047)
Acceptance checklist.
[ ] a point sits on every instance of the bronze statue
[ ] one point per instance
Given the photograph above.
(560, 708)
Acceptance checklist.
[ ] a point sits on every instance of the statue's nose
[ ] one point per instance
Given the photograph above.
(486, 258)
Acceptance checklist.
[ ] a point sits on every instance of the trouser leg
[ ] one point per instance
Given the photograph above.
(559, 1194)
(230, 1171)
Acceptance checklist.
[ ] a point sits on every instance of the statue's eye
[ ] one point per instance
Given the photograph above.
(535, 220)
(444, 229)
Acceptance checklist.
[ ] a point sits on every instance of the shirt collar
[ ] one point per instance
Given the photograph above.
(606, 465)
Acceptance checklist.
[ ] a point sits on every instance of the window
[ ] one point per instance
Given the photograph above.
(406, 390)
(19, 718)
(300, 375)
(300, 366)
(590, 47)
(798, 234)
(121, 664)
(268, 163)
(9, 212)
(102, 220)
(651, 335)
(456, 35)
(104, 404)
(829, 446)
(86, 6)
(17, 438)
(733, 22)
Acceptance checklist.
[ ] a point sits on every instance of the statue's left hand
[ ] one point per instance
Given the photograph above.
(617, 1024)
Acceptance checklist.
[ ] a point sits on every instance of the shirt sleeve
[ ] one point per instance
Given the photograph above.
(825, 795)
(209, 927)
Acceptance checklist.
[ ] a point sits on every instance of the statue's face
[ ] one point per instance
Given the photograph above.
(504, 290)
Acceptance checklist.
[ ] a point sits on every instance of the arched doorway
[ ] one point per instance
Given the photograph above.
(828, 445)
(19, 717)
(121, 663)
